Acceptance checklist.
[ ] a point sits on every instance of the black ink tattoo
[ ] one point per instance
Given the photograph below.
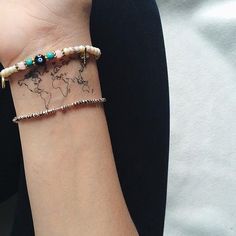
(61, 80)
(32, 81)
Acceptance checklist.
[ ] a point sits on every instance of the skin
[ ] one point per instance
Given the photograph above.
(70, 171)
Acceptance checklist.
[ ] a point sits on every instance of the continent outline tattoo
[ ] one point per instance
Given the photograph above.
(60, 80)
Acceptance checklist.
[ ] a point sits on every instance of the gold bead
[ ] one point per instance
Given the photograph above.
(3, 82)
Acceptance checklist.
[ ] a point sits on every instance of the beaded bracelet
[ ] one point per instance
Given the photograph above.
(54, 110)
(83, 51)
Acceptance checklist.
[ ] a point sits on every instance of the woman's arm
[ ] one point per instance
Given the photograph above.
(71, 176)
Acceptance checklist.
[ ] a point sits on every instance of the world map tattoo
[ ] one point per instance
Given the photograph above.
(61, 80)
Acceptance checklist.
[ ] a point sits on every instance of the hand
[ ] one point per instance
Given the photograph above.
(27, 27)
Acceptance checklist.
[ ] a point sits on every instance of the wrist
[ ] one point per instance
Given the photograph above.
(57, 82)
(48, 42)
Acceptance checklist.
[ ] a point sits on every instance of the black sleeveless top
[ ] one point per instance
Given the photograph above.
(133, 77)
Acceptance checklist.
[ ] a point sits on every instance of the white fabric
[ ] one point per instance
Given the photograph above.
(200, 39)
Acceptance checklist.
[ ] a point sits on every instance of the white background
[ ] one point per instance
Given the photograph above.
(200, 38)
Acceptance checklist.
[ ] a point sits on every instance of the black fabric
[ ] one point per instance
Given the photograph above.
(133, 78)
(10, 147)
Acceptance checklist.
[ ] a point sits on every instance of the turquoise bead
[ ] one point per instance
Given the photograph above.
(29, 62)
(50, 55)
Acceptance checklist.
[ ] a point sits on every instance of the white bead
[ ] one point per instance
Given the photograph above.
(4, 73)
(97, 53)
(94, 50)
(66, 51)
(71, 50)
(81, 48)
(77, 48)
(12, 69)
(8, 72)
(9, 69)
(89, 48)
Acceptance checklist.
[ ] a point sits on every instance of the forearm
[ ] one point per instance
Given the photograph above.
(71, 176)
